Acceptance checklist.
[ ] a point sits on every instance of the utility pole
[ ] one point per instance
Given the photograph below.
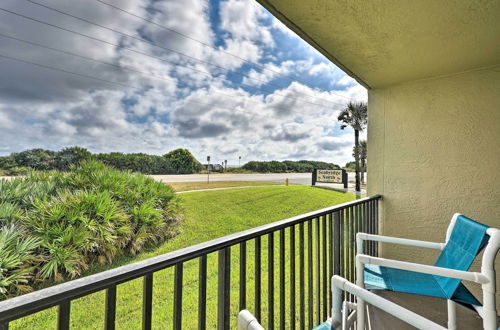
(239, 161)
(225, 165)
(208, 170)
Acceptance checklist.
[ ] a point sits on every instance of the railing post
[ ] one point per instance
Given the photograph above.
(336, 243)
(224, 274)
(310, 274)
(325, 268)
(270, 281)
(282, 279)
(110, 308)
(258, 279)
(302, 277)
(147, 301)
(178, 296)
(292, 277)
(318, 272)
(202, 293)
(243, 275)
(63, 316)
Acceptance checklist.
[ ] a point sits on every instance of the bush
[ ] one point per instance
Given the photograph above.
(183, 162)
(70, 156)
(146, 164)
(175, 162)
(69, 221)
(288, 166)
(7, 162)
(38, 159)
(17, 257)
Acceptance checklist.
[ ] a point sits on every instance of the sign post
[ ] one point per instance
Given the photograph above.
(330, 176)
(208, 170)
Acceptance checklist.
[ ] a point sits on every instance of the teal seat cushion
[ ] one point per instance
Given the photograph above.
(324, 326)
(467, 239)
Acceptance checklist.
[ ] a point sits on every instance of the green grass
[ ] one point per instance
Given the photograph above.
(184, 186)
(208, 215)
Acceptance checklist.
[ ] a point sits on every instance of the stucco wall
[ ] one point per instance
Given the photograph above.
(433, 150)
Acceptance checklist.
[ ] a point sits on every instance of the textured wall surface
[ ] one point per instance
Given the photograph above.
(383, 43)
(433, 150)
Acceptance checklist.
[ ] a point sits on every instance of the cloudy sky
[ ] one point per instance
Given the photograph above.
(221, 78)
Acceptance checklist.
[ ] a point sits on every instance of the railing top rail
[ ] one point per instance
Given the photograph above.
(33, 302)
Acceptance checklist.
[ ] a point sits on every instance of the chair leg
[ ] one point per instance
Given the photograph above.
(361, 311)
(489, 308)
(452, 315)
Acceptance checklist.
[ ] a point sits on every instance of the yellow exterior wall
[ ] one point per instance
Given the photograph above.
(433, 150)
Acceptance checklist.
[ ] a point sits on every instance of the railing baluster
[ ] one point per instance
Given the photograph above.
(282, 279)
(347, 244)
(224, 273)
(147, 301)
(310, 275)
(365, 226)
(331, 255)
(292, 277)
(178, 296)
(318, 272)
(371, 227)
(376, 227)
(302, 271)
(325, 268)
(243, 275)
(358, 228)
(202, 293)
(336, 243)
(270, 281)
(63, 315)
(258, 280)
(342, 248)
(110, 308)
(353, 246)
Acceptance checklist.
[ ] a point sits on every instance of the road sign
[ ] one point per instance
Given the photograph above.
(329, 176)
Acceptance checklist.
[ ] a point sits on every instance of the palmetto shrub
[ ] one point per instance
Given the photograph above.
(17, 256)
(91, 214)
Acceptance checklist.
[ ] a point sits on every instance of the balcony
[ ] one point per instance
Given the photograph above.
(288, 288)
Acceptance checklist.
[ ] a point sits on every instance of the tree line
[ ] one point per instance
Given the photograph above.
(300, 166)
(178, 161)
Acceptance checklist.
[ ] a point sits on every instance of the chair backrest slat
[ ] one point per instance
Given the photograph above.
(467, 239)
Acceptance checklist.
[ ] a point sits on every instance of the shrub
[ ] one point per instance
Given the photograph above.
(70, 156)
(38, 159)
(16, 260)
(143, 163)
(176, 161)
(288, 166)
(7, 162)
(86, 216)
(183, 162)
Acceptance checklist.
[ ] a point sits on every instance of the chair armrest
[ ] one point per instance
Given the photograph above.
(426, 269)
(402, 241)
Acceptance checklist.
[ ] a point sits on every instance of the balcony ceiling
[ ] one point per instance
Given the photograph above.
(382, 43)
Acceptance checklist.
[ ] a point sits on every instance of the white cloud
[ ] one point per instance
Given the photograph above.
(173, 103)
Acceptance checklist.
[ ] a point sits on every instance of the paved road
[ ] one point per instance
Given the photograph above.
(301, 178)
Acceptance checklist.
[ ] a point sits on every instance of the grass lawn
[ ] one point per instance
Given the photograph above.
(208, 215)
(184, 186)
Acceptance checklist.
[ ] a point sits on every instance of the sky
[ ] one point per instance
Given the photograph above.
(220, 78)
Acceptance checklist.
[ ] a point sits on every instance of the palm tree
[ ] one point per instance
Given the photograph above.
(355, 115)
(362, 152)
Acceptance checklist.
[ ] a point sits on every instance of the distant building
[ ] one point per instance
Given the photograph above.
(214, 167)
